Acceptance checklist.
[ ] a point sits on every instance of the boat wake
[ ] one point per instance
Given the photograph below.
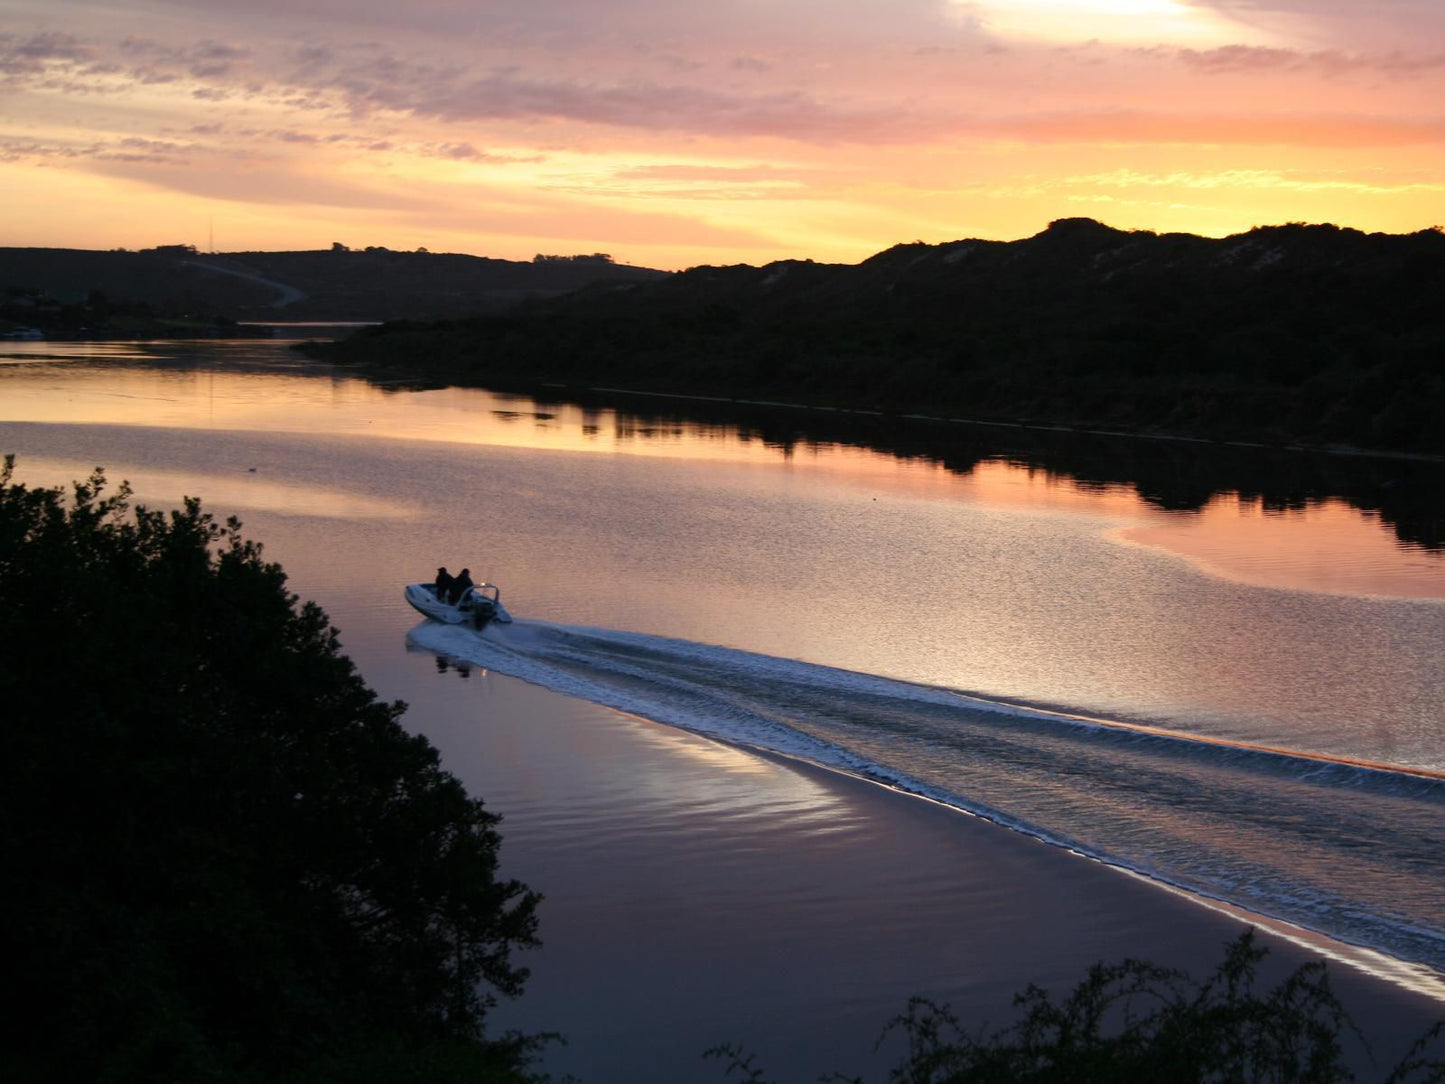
(1347, 849)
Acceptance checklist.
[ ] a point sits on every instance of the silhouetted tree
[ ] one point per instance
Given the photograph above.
(224, 857)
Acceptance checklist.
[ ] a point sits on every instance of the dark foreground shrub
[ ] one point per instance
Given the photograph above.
(224, 857)
(1135, 1023)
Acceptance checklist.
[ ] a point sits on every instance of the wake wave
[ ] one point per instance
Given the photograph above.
(1345, 848)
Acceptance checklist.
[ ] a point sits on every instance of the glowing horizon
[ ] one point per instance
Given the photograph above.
(673, 136)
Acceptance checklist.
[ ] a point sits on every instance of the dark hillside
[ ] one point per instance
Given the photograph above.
(379, 284)
(337, 284)
(1285, 334)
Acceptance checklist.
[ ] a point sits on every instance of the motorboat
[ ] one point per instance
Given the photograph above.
(479, 605)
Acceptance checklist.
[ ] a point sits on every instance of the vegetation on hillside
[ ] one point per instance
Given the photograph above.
(336, 284)
(1289, 334)
(96, 316)
(225, 859)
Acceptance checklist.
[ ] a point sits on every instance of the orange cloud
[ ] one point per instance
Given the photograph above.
(680, 134)
(1127, 126)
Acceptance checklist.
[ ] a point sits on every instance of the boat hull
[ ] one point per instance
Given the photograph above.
(478, 609)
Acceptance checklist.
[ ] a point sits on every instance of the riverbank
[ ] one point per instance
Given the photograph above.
(698, 894)
(1174, 471)
(1283, 336)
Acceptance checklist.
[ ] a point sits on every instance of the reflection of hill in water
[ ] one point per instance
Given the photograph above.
(1180, 476)
(1289, 335)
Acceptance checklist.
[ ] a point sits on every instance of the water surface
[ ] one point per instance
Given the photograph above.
(1177, 678)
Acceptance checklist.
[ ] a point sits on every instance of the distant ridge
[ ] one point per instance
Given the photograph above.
(339, 284)
(1287, 334)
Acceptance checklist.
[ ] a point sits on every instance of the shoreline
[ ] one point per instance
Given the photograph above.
(383, 372)
(1037, 426)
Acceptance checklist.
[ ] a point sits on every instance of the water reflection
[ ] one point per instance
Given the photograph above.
(247, 488)
(1351, 525)
(1325, 546)
(1171, 476)
(1405, 496)
(1267, 517)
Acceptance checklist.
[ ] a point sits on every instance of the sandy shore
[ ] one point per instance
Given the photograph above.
(698, 894)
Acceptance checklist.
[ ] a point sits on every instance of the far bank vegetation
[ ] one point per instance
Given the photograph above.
(1286, 334)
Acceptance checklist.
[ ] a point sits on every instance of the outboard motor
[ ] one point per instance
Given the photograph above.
(483, 611)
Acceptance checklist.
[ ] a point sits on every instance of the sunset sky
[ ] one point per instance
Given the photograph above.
(672, 134)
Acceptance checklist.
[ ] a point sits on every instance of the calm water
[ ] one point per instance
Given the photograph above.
(1188, 693)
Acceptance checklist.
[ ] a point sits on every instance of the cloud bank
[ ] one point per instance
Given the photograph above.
(825, 128)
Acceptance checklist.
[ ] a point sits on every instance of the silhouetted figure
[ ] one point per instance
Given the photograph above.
(461, 585)
(444, 585)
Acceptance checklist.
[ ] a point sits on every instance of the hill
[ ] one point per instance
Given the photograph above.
(337, 284)
(1285, 334)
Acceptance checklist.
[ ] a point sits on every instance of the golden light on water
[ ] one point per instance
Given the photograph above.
(1326, 546)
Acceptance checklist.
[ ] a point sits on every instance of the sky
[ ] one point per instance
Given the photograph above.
(673, 133)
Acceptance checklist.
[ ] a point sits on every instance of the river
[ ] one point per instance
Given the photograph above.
(1236, 687)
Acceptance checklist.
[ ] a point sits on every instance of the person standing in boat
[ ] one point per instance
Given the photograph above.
(461, 585)
(444, 585)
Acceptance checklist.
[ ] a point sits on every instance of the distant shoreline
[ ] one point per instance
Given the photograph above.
(1307, 336)
(1335, 450)
(392, 369)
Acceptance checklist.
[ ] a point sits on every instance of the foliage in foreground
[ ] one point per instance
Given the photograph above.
(1136, 1023)
(225, 859)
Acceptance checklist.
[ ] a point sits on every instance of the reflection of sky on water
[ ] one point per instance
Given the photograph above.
(245, 491)
(705, 783)
(1326, 547)
(1002, 579)
(1011, 582)
(1329, 547)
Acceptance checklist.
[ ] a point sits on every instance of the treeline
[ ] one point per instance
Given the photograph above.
(1289, 334)
(99, 316)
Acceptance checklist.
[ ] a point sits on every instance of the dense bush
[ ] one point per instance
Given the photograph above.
(224, 857)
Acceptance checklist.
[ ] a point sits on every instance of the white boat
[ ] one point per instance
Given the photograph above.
(479, 605)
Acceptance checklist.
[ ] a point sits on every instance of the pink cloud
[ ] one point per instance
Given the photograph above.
(36, 54)
(132, 150)
(894, 91)
(1254, 60)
